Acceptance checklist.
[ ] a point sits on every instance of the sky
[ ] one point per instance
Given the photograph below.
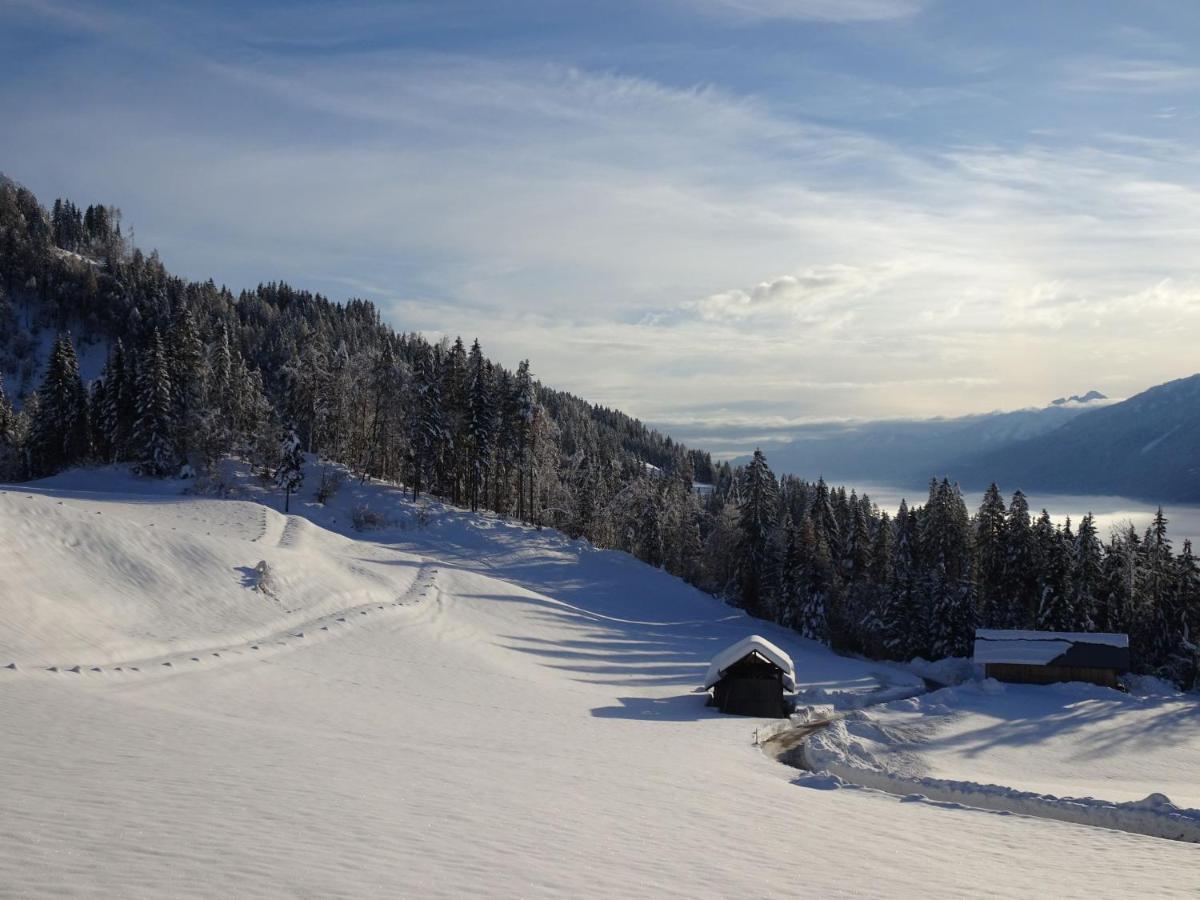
(725, 217)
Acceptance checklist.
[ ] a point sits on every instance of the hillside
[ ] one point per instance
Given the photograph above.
(1146, 447)
(496, 710)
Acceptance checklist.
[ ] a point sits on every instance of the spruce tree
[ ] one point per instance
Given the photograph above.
(60, 433)
(289, 474)
(188, 372)
(1087, 574)
(426, 429)
(1020, 579)
(153, 431)
(1056, 610)
(10, 460)
(480, 422)
(758, 515)
(991, 556)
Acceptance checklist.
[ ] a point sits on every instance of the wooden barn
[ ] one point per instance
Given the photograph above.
(1045, 657)
(750, 678)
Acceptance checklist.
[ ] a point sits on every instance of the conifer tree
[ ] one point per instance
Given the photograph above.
(1087, 574)
(1056, 611)
(991, 553)
(153, 432)
(524, 410)
(816, 583)
(758, 515)
(60, 432)
(426, 431)
(10, 467)
(188, 373)
(289, 474)
(480, 422)
(1020, 579)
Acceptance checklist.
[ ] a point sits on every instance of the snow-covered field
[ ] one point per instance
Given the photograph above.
(465, 707)
(1083, 741)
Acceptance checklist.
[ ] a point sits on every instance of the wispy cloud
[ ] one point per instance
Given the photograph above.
(671, 241)
(1132, 75)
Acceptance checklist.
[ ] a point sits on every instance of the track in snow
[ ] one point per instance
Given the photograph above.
(306, 633)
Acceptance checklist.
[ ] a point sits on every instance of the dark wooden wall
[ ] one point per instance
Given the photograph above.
(1027, 674)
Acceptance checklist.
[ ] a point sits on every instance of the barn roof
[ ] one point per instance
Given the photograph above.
(745, 647)
(1045, 648)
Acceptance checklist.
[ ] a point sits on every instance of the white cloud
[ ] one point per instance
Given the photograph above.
(1132, 75)
(681, 252)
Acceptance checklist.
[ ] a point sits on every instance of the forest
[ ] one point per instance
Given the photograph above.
(193, 372)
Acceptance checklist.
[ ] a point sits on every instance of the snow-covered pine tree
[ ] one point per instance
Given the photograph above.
(900, 628)
(426, 429)
(97, 400)
(1122, 574)
(154, 430)
(792, 575)
(1184, 667)
(106, 422)
(815, 585)
(7, 414)
(60, 432)
(289, 474)
(1020, 595)
(188, 372)
(1159, 622)
(524, 403)
(990, 553)
(480, 423)
(1056, 610)
(758, 515)
(220, 367)
(10, 459)
(949, 580)
(879, 586)
(1087, 574)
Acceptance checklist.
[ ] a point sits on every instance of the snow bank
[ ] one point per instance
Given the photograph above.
(1155, 816)
(899, 749)
(753, 643)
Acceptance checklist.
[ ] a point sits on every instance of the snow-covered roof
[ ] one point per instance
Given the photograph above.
(751, 644)
(1042, 648)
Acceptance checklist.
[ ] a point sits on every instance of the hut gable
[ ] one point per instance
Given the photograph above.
(754, 645)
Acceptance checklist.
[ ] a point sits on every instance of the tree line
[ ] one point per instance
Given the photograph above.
(192, 372)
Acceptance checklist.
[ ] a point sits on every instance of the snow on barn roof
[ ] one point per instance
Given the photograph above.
(752, 644)
(1043, 648)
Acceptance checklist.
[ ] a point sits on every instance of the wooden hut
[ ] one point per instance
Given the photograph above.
(1044, 657)
(750, 677)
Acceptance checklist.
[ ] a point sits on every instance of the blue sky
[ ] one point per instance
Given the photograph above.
(727, 216)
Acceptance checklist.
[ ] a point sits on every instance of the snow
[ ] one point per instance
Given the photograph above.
(471, 707)
(1035, 647)
(753, 643)
(1038, 750)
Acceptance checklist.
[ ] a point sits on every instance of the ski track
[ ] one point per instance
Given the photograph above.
(310, 632)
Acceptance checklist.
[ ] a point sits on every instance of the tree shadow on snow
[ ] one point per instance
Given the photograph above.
(683, 708)
(1113, 724)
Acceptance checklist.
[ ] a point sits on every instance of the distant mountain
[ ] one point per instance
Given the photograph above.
(910, 451)
(1146, 447)
(1089, 397)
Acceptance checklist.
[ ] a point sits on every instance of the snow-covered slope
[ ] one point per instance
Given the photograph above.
(515, 714)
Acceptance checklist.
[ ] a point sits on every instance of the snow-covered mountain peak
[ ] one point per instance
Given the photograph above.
(1080, 399)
